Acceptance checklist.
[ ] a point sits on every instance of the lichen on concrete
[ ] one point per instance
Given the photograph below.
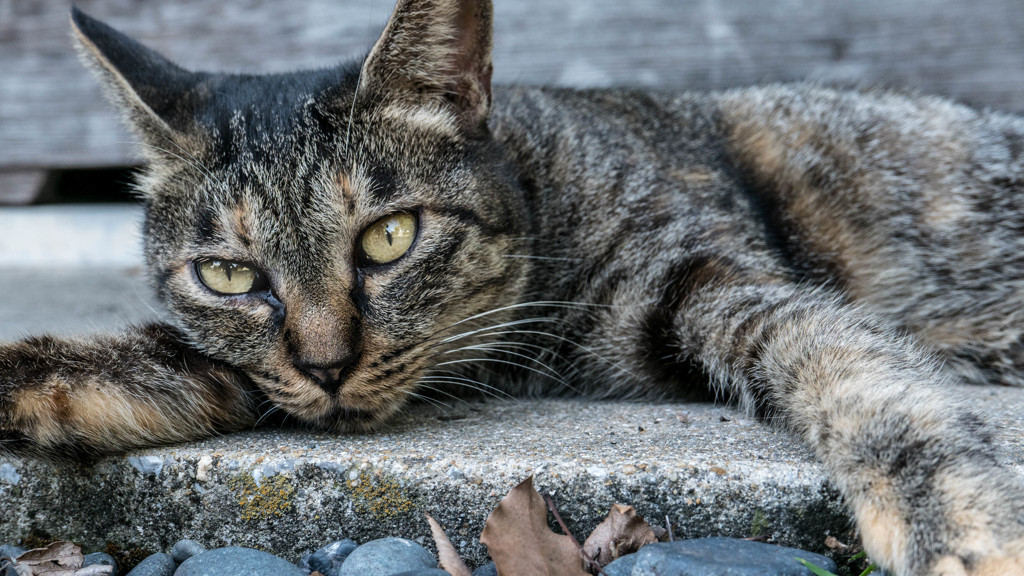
(379, 495)
(268, 499)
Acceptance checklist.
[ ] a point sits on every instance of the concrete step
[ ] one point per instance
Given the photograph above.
(69, 269)
(710, 469)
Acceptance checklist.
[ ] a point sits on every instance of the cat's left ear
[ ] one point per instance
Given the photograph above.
(157, 97)
(436, 52)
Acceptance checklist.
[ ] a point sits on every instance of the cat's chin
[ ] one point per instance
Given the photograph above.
(339, 419)
(344, 419)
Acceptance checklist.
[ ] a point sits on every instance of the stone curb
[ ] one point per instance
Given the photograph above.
(709, 468)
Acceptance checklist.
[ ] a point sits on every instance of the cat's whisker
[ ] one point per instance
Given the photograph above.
(428, 399)
(532, 257)
(539, 303)
(355, 95)
(556, 377)
(464, 382)
(273, 409)
(194, 163)
(503, 348)
(436, 390)
(571, 342)
(461, 399)
(461, 335)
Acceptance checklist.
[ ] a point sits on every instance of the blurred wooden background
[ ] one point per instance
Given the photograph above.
(52, 115)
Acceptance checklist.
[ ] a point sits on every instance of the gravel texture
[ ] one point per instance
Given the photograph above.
(400, 557)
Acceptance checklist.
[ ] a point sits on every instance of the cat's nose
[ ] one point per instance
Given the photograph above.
(329, 377)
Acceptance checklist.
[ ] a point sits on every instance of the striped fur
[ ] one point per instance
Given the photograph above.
(834, 261)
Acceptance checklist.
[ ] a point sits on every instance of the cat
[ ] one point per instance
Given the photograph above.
(328, 241)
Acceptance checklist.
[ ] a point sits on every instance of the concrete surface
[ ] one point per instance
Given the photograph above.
(69, 301)
(72, 269)
(710, 469)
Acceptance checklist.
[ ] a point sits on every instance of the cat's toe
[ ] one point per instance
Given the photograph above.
(1004, 561)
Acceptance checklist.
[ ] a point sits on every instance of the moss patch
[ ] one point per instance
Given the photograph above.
(126, 558)
(36, 539)
(269, 499)
(760, 526)
(379, 495)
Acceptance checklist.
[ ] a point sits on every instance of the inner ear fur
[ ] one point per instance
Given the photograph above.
(436, 52)
(157, 97)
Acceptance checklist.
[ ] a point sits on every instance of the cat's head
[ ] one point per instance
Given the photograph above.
(328, 231)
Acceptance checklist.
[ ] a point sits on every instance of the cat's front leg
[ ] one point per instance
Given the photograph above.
(145, 386)
(915, 464)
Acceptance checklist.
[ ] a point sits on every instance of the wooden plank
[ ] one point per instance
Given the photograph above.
(20, 187)
(52, 114)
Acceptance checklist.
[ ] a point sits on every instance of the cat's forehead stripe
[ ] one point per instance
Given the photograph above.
(376, 185)
(345, 186)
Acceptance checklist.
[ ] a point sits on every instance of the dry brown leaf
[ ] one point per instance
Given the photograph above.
(95, 570)
(622, 532)
(520, 542)
(57, 559)
(447, 555)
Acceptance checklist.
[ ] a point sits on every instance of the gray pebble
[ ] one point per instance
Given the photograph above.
(386, 557)
(339, 548)
(322, 563)
(102, 559)
(185, 549)
(328, 560)
(423, 572)
(714, 557)
(236, 561)
(488, 569)
(158, 564)
(11, 552)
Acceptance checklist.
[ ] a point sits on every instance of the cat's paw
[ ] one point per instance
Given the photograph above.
(963, 525)
(997, 564)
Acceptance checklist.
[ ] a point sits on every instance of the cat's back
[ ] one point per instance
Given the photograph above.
(908, 205)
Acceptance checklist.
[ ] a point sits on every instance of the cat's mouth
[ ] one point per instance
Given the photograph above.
(357, 407)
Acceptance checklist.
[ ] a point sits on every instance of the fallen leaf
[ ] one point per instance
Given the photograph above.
(57, 559)
(622, 532)
(447, 555)
(833, 543)
(662, 534)
(520, 542)
(95, 570)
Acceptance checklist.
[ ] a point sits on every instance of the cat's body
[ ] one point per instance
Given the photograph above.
(907, 207)
(832, 260)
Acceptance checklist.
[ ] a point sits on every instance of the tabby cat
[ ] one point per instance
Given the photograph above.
(328, 241)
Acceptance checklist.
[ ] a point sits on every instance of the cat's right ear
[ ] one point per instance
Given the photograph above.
(156, 96)
(436, 53)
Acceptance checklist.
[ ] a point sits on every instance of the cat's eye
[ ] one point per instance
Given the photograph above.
(227, 277)
(389, 238)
